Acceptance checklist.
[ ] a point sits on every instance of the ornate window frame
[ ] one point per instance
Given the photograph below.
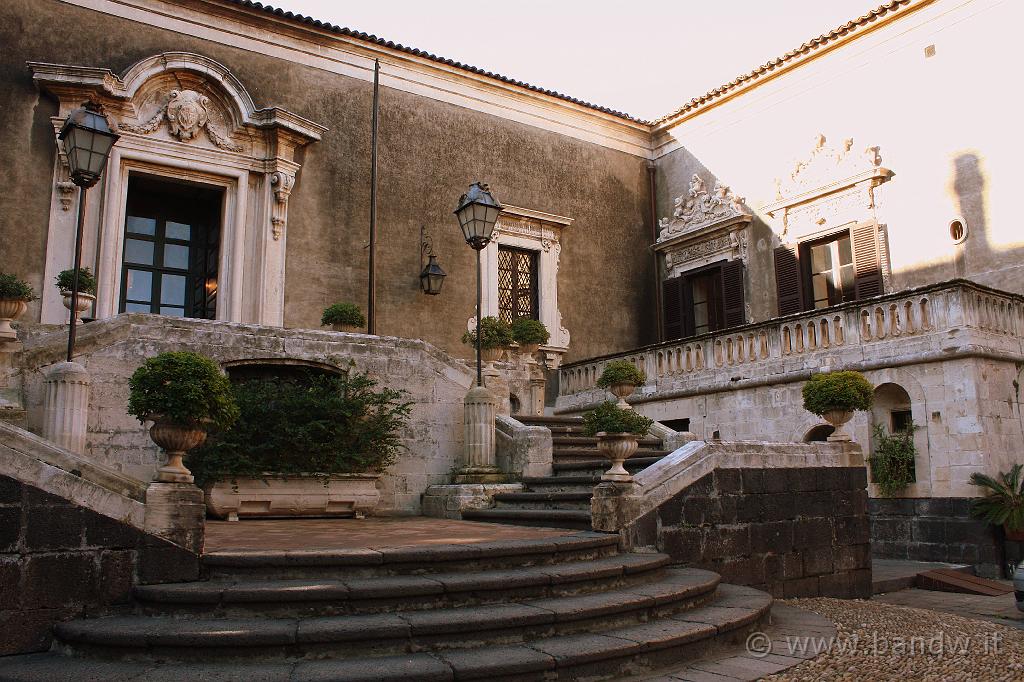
(533, 230)
(184, 116)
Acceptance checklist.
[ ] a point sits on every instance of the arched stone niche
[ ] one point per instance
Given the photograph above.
(183, 117)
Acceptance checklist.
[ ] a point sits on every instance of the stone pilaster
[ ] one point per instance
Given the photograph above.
(66, 406)
(480, 464)
(176, 512)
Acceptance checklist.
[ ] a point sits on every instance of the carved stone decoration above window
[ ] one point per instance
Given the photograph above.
(832, 186)
(699, 208)
(186, 112)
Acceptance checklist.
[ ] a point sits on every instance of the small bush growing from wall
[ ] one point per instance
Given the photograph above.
(526, 330)
(610, 418)
(892, 462)
(343, 313)
(621, 372)
(183, 387)
(837, 391)
(86, 280)
(313, 424)
(13, 288)
(494, 333)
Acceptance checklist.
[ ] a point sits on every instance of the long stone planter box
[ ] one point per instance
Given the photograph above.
(352, 495)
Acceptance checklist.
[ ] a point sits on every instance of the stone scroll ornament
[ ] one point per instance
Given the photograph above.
(700, 208)
(187, 112)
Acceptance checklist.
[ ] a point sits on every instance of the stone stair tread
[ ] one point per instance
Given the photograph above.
(602, 464)
(562, 480)
(548, 419)
(593, 453)
(554, 518)
(592, 440)
(542, 497)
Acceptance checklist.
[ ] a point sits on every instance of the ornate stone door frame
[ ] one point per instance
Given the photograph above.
(180, 115)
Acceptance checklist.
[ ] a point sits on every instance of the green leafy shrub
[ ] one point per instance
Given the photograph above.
(494, 333)
(343, 313)
(314, 424)
(14, 289)
(1003, 503)
(610, 418)
(184, 387)
(892, 462)
(621, 372)
(837, 391)
(526, 331)
(86, 280)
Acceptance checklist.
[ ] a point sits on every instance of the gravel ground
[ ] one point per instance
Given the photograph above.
(885, 642)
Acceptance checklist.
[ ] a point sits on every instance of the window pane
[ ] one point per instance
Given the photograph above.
(138, 251)
(173, 311)
(176, 256)
(172, 290)
(139, 225)
(140, 285)
(845, 251)
(178, 231)
(821, 257)
(137, 307)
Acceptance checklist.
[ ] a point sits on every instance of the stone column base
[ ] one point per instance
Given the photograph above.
(449, 501)
(176, 512)
(66, 407)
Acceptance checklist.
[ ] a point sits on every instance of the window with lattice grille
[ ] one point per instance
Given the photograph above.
(517, 284)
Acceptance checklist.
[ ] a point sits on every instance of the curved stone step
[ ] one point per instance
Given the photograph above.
(561, 483)
(592, 441)
(359, 563)
(240, 639)
(569, 454)
(303, 598)
(544, 500)
(633, 464)
(552, 518)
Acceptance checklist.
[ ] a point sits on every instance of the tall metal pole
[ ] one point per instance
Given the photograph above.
(371, 322)
(479, 289)
(78, 265)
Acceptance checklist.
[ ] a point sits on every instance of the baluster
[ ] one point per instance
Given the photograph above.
(865, 325)
(837, 325)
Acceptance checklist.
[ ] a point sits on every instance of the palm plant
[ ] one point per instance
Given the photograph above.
(1004, 503)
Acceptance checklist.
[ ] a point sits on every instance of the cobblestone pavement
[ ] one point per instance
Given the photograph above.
(879, 641)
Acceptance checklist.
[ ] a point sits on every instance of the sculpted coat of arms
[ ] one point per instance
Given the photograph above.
(187, 112)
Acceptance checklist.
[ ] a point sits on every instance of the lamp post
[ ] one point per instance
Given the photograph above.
(432, 276)
(86, 138)
(477, 213)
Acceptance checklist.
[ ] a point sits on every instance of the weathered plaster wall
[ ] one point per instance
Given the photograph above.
(430, 152)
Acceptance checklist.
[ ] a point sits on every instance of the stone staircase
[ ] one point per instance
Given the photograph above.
(564, 607)
(563, 499)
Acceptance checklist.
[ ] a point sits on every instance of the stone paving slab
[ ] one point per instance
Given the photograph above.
(1001, 609)
(892, 575)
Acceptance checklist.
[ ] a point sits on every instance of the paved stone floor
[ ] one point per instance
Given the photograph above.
(1001, 609)
(404, 531)
(890, 575)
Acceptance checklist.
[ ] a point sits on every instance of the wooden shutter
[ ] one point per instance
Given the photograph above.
(866, 263)
(788, 280)
(732, 293)
(672, 308)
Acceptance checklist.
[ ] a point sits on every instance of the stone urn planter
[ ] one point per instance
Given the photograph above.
(617, 447)
(84, 301)
(10, 309)
(176, 440)
(491, 356)
(348, 328)
(294, 495)
(529, 350)
(838, 419)
(622, 391)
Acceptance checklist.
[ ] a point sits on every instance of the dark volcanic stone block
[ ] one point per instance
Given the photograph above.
(802, 480)
(809, 533)
(54, 527)
(683, 544)
(928, 530)
(725, 542)
(10, 528)
(801, 587)
(117, 575)
(753, 481)
(776, 480)
(772, 538)
(102, 531)
(728, 481)
(891, 507)
(10, 491)
(57, 581)
(818, 561)
(166, 563)
(890, 529)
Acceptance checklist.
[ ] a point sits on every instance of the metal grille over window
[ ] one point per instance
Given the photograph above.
(517, 284)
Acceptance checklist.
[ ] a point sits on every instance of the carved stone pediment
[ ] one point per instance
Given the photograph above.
(699, 209)
(187, 113)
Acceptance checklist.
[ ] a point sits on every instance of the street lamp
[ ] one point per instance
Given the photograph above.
(86, 138)
(431, 276)
(477, 212)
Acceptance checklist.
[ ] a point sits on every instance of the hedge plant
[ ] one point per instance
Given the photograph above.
(610, 418)
(621, 372)
(319, 424)
(12, 288)
(494, 333)
(837, 391)
(183, 387)
(343, 313)
(86, 281)
(526, 331)
(892, 462)
(1003, 504)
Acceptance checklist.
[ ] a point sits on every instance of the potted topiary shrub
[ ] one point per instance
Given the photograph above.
(86, 289)
(184, 394)
(344, 317)
(892, 462)
(616, 430)
(1003, 503)
(312, 444)
(835, 396)
(15, 295)
(529, 334)
(495, 338)
(621, 377)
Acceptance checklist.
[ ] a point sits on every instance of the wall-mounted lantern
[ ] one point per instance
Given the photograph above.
(431, 276)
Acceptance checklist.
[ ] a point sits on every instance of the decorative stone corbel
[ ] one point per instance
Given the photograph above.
(65, 188)
(282, 184)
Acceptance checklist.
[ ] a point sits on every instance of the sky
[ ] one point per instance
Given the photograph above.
(644, 58)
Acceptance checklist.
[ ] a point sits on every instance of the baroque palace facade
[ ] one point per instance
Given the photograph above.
(847, 205)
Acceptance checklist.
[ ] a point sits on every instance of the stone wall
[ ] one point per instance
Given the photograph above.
(794, 532)
(59, 560)
(935, 530)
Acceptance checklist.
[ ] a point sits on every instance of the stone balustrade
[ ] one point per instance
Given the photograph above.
(892, 328)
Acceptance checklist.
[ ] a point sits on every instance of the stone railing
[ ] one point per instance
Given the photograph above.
(899, 325)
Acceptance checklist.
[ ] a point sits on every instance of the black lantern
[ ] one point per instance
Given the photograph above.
(87, 138)
(431, 276)
(477, 212)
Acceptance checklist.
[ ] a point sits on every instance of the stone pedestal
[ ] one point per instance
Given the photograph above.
(176, 512)
(66, 406)
(480, 464)
(449, 501)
